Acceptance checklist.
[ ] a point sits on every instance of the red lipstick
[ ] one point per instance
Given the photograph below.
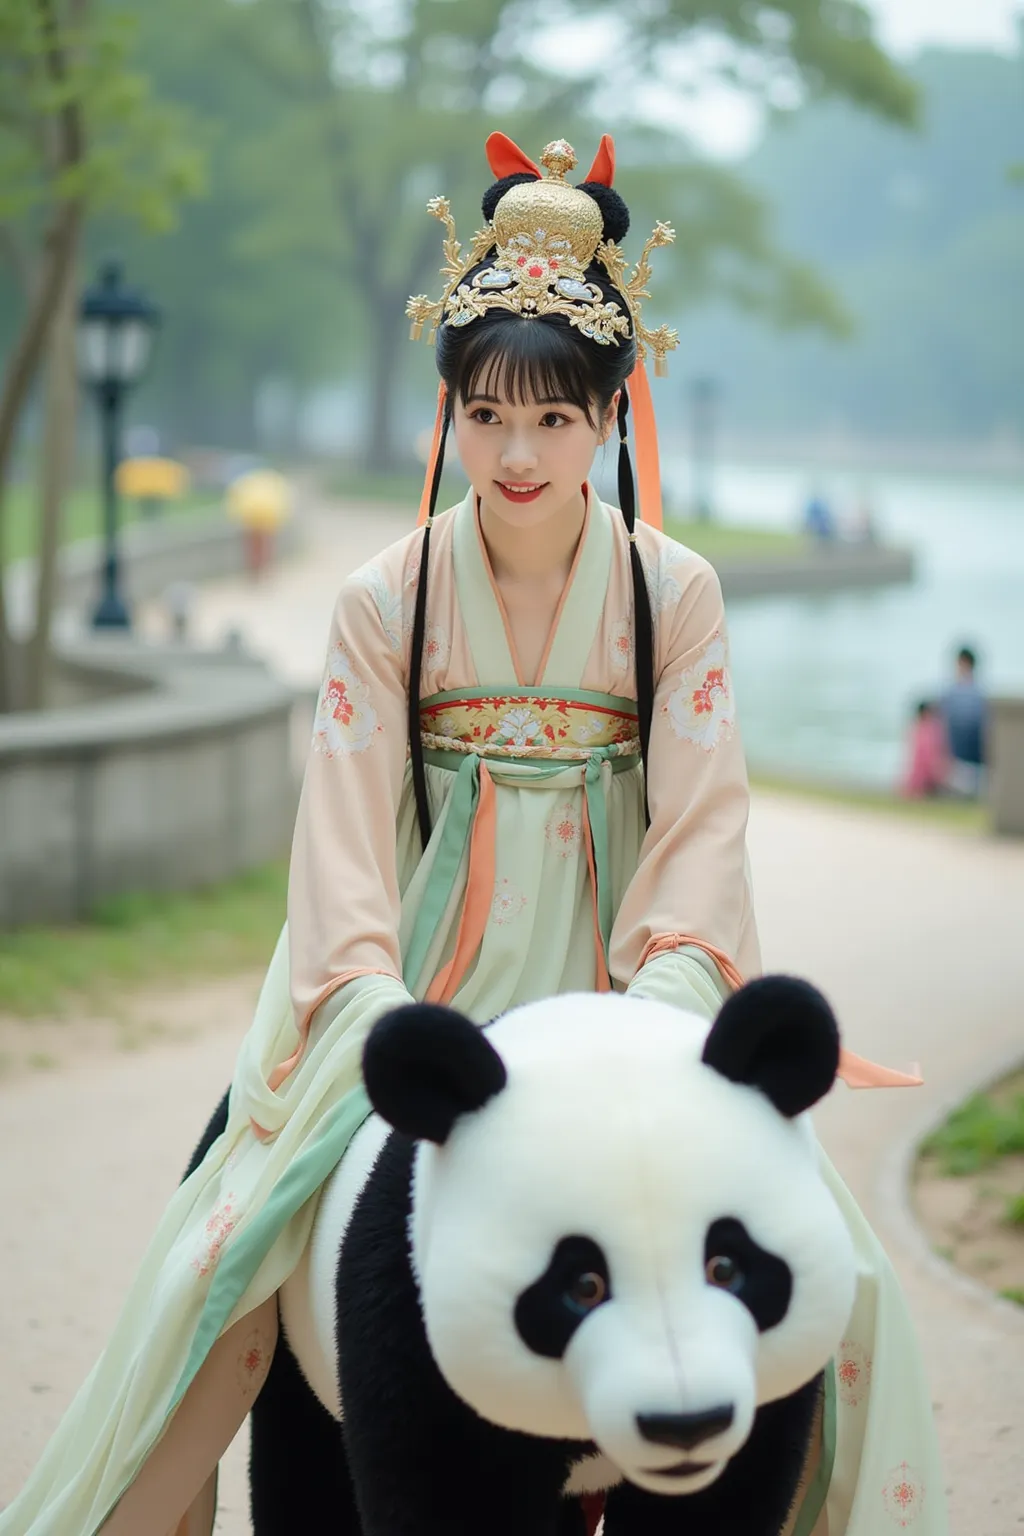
(510, 493)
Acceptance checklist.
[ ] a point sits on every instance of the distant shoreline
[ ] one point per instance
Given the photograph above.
(836, 452)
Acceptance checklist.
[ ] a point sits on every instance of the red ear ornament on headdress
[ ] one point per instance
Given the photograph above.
(506, 158)
(603, 168)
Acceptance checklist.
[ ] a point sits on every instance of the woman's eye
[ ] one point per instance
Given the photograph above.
(553, 419)
(484, 416)
(723, 1272)
(587, 1291)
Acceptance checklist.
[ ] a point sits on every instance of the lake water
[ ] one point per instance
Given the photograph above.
(825, 685)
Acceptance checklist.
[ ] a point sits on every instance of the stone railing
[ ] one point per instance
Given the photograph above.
(173, 769)
(1006, 778)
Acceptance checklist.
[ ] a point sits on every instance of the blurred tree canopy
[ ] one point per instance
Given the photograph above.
(923, 235)
(330, 122)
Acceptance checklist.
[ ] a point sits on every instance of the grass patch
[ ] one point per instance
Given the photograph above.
(83, 515)
(1013, 1293)
(957, 815)
(987, 1127)
(716, 542)
(137, 940)
(1014, 1214)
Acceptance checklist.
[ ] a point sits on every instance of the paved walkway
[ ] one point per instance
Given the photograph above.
(915, 934)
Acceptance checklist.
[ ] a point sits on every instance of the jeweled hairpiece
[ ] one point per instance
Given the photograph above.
(545, 235)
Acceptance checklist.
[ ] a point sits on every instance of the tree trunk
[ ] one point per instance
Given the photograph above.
(58, 250)
(25, 359)
(385, 353)
(55, 477)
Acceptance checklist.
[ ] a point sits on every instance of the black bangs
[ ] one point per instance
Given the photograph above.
(526, 361)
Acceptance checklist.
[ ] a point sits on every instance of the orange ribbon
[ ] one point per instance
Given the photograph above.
(855, 1071)
(645, 436)
(479, 897)
(435, 449)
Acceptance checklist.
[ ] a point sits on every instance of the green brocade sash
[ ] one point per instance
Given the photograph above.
(463, 758)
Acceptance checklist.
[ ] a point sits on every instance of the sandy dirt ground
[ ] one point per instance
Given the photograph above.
(914, 933)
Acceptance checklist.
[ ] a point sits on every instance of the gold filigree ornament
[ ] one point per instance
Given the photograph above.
(545, 234)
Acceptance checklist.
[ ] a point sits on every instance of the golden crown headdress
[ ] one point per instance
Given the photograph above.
(545, 235)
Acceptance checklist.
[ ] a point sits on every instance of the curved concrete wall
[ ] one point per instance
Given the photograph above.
(181, 778)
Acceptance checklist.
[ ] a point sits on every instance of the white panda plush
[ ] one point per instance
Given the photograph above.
(586, 1248)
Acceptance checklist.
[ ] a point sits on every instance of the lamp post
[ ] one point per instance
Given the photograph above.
(115, 333)
(703, 398)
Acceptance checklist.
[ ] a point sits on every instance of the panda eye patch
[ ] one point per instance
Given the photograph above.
(735, 1263)
(575, 1283)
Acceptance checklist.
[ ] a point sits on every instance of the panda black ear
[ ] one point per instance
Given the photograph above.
(780, 1035)
(424, 1066)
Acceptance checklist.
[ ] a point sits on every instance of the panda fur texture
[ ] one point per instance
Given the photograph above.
(586, 1248)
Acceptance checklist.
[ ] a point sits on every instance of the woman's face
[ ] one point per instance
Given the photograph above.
(527, 462)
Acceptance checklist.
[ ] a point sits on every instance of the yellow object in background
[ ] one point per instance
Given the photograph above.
(151, 479)
(260, 500)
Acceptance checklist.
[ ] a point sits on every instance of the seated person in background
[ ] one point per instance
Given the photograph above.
(928, 754)
(964, 713)
(818, 520)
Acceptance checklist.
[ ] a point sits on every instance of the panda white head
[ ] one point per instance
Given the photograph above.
(619, 1227)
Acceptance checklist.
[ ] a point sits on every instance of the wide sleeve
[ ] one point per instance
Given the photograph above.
(343, 896)
(685, 929)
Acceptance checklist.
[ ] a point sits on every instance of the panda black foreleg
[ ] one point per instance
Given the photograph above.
(423, 1463)
(298, 1470)
(755, 1494)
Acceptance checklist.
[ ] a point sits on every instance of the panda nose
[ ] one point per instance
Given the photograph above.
(684, 1430)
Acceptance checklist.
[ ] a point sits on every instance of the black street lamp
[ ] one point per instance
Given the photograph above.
(115, 333)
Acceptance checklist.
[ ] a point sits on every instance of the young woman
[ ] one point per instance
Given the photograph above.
(525, 778)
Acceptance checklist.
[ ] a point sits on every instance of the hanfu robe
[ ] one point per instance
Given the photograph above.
(541, 876)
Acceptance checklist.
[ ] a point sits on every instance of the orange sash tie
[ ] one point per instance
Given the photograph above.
(855, 1071)
(476, 907)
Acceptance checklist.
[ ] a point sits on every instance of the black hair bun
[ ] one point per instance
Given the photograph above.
(613, 209)
(493, 196)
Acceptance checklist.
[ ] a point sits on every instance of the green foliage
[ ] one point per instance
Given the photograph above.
(978, 1134)
(717, 542)
(1013, 1293)
(138, 156)
(137, 940)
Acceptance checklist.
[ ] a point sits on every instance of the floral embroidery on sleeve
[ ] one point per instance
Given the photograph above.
(346, 721)
(662, 584)
(388, 606)
(702, 708)
(219, 1227)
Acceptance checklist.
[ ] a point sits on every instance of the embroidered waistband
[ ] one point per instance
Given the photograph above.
(530, 725)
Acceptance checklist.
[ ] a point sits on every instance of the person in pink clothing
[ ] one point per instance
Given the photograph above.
(927, 770)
